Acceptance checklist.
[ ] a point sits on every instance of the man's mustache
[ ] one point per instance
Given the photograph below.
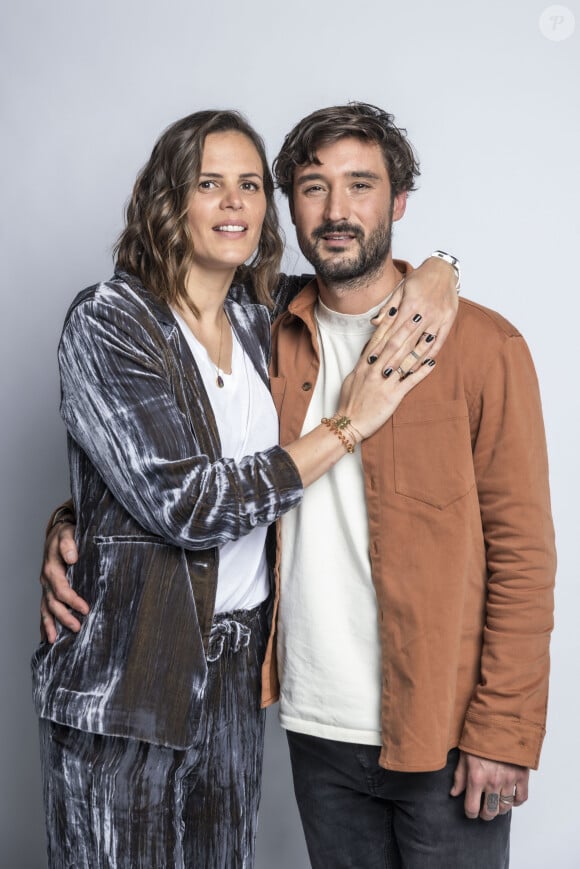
(329, 228)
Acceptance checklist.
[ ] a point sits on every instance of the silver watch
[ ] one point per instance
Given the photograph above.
(453, 262)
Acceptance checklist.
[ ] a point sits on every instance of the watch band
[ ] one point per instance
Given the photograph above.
(453, 262)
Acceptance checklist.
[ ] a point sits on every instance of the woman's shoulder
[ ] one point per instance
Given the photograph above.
(119, 297)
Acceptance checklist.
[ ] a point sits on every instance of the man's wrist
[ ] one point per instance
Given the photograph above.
(453, 262)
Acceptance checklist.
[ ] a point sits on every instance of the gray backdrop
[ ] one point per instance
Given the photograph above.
(490, 99)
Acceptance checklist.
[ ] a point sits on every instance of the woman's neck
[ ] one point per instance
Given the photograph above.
(207, 290)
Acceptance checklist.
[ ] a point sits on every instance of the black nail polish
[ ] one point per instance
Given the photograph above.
(392, 312)
(429, 362)
(429, 338)
(387, 372)
(372, 359)
(417, 318)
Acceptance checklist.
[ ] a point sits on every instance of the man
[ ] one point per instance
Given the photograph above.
(416, 584)
(416, 580)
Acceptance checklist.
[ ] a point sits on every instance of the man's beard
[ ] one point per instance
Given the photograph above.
(356, 270)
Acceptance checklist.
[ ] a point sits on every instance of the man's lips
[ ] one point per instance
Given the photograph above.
(337, 241)
(335, 236)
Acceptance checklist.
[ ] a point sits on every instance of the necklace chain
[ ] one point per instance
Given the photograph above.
(219, 379)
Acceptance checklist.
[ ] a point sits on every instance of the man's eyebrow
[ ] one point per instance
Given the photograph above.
(319, 176)
(371, 176)
(311, 176)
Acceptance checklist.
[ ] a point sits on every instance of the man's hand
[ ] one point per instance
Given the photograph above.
(491, 788)
(58, 598)
(419, 315)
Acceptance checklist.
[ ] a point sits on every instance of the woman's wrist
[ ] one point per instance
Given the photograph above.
(452, 261)
(342, 426)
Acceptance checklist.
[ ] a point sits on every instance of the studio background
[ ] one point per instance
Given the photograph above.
(490, 100)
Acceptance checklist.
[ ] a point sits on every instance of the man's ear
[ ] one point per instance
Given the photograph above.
(399, 205)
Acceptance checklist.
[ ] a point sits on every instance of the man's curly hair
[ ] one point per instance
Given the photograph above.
(362, 120)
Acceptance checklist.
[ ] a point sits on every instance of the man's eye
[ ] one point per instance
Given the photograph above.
(314, 188)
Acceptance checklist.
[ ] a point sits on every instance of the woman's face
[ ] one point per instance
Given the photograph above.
(227, 208)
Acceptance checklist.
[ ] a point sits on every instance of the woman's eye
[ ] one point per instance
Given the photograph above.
(250, 185)
(206, 185)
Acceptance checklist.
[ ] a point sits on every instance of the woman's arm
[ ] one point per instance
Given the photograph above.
(430, 290)
(128, 407)
(120, 409)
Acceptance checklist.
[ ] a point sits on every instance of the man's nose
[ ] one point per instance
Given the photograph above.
(337, 206)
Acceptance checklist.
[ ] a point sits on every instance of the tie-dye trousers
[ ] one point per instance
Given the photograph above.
(114, 803)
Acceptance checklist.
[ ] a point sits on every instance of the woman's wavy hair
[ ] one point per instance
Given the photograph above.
(156, 244)
(362, 120)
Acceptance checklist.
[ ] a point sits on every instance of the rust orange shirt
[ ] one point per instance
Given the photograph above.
(461, 542)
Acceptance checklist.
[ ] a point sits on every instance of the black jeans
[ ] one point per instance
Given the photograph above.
(357, 815)
(115, 803)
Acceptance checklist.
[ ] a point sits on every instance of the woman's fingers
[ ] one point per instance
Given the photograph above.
(371, 394)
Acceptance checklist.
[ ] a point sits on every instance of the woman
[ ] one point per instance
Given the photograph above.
(151, 734)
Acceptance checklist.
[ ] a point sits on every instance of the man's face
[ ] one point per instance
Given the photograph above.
(343, 211)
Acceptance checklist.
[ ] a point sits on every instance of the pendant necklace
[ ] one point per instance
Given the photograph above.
(219, 379)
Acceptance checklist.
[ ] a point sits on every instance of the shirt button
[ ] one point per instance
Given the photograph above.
(307, 386)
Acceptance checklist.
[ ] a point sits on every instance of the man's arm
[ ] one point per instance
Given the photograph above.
(505, 721)
(58, 598)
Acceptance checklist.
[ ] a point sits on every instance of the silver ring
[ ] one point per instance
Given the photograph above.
(400, 371)
(507, 799)
(416, 355)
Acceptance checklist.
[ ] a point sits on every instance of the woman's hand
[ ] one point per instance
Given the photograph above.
(419, 315)
(58, 598)
(371, 393)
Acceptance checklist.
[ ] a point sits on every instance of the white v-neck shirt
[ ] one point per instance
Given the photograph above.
(247, 423)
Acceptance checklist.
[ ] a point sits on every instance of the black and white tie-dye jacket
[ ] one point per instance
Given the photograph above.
(154, 500)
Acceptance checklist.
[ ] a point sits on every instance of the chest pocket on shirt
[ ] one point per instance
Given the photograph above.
(432, 451)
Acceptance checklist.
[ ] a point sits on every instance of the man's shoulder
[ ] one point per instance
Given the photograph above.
(475, 320)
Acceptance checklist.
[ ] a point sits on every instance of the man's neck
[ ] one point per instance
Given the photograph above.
(360, 296)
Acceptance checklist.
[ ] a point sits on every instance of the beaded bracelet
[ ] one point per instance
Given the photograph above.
(338, 424)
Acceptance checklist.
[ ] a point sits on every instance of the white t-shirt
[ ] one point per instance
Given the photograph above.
(328, 636)
(247, 423)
